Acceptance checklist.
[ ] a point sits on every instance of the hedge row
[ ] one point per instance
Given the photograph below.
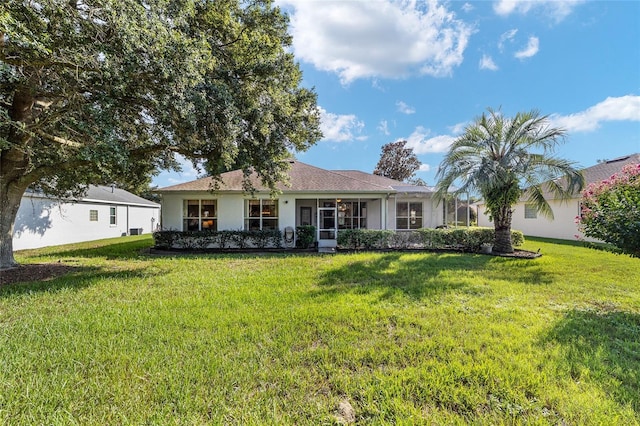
(466, 239)
(201, 240)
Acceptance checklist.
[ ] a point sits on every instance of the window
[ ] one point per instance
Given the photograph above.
(113, 216)
(93, 215)
(530, 211)
(352, 214)
(260, 214)
(408, 215)
(199, 215)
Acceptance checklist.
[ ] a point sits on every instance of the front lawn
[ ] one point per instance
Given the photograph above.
(406, 338)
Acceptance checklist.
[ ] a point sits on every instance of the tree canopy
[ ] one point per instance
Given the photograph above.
(397, 162)
(502, 159)
(109, 90)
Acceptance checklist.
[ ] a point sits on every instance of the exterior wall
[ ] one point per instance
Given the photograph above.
(381, 211)
(43, 222)
(562, 226)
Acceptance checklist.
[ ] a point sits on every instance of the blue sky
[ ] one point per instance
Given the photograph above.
(421, 70)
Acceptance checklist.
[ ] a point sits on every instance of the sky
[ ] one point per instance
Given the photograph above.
(421, 71)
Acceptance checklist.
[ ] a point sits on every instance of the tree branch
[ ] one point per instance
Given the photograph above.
(59, 140)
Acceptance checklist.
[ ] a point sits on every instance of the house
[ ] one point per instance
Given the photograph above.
(104, 212)
(563, 226)
(330, 200)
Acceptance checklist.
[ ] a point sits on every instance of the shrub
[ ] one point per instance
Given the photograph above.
(305, 236)
(610, 210)
(200, 240)
(466, 239)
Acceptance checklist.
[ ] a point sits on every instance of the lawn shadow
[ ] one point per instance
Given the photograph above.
(70, 278)
(416, 277)
(104, 249)
(518, 270)
(604, 345)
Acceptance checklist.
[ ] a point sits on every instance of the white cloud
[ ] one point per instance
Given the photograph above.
(340, 128)
(467, 7)
(421, 143)
(424, 167)
(556, 9)
(486, 63)
(624, 108)
(458, 129)
(404, 108)
(508, 36)
(383, 127)
(533, 46)
(385, 39)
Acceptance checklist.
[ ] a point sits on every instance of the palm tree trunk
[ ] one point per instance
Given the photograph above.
(502, 226)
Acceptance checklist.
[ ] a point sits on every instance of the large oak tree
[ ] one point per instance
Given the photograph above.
(98, 91)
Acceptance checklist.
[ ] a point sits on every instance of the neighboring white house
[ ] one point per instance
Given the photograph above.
(563, 226)
(329, 200)
(104, 212)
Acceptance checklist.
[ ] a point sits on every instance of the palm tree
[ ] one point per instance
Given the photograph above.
(505, 158)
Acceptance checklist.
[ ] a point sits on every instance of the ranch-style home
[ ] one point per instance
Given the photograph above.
(563, 226)
(330, 200)
(104, 212)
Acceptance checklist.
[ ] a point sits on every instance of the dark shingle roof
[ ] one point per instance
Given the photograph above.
(115, 195)
(303, 178)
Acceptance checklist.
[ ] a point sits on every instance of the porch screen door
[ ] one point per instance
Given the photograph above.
(326, 223)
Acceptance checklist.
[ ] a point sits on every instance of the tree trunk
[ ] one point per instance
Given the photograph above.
(15, 173)
(502, 226)
(10, 196)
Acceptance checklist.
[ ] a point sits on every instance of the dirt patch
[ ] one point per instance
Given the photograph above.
(33, 272)
(519, 254)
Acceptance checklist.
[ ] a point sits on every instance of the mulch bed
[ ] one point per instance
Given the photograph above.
(33, 272)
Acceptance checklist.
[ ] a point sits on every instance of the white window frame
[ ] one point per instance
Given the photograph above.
(93, 213)
(261, 217)
(202, 216)
(410, 216)
(530, 211)
(113, 216)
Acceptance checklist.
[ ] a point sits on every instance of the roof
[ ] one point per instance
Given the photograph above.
(599, 172)
(115, 195)
(303, 178)
(606, 169)
(106, 194)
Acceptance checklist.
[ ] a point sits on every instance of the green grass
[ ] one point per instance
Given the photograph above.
(406, 338)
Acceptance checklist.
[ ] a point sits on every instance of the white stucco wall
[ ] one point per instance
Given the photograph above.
(381, 211)
(43, 222)
(562, 226)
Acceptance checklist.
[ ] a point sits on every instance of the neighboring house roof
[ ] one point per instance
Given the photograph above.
(600, 172)
(303, 178)
(107, 195)
(606, 169)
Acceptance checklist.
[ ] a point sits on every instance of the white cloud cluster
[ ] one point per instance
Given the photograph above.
(404, 108)
(486, 63)
(385, 38)
(556, 9)
(383, 127)
(340, 128)
(533, 46)
(422, 143)
(624, 108)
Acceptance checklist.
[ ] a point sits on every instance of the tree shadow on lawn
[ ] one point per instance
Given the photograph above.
(124, 250)
(70, 277)
(416, 277)
(603, 347)
(428, 275)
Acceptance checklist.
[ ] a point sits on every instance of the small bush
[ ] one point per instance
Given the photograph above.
(305, 236)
